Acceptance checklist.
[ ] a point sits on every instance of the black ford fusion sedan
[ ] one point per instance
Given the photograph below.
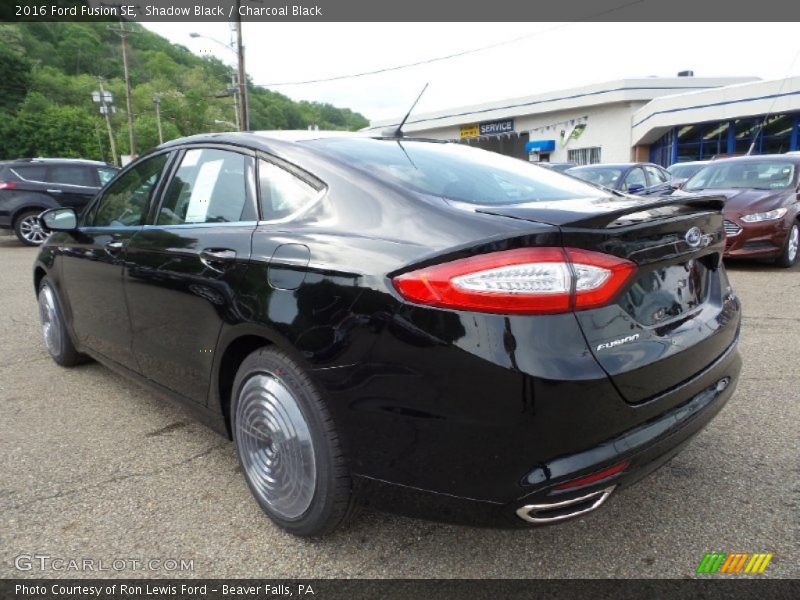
(422, 326)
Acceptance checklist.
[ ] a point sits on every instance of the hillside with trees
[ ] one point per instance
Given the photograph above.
(49, 71)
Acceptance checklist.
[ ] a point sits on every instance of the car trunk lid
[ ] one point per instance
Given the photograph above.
(678, 313)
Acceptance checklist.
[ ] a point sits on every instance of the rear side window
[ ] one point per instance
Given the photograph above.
(455, 171)
(72, 175)
(125, 202)
(282, 193)
(30, 172)
(210, 186)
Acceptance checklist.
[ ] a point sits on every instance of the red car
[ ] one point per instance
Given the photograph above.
(762, 210)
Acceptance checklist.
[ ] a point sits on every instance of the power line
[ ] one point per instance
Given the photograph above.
(453, 55)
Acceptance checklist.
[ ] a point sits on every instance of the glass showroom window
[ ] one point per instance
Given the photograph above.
(714, 140)
(661, 149)
(776, 137)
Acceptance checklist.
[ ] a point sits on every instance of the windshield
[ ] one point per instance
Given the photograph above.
(106, 174)
(607, 176)
(759, 175)
(684, 171)
(455, 171)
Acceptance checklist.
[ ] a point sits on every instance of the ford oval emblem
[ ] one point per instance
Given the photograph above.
(693, 237)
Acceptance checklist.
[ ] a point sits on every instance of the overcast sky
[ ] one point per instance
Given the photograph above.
(551, 56)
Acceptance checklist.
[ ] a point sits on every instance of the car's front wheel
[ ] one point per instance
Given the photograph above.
(288, 446)
(29, 229)
(788, 257)
(54, 330)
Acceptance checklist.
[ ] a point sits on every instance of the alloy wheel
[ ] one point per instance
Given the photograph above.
(31, 229)
(793, 243)
(274, 444)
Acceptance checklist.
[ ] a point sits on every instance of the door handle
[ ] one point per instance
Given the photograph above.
(218, 254)
(214, 258)
(55, 192)
(115, 246)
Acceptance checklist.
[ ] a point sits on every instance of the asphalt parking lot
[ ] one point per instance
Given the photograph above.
(94, 466)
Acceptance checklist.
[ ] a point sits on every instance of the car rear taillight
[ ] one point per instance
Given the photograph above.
(8, 185)
(521, 281)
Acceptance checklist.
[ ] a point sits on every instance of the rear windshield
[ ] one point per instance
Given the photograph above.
(750, 174)
(607, 176)
(455, 171)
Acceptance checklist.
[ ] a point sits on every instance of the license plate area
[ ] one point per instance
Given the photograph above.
(665, 293)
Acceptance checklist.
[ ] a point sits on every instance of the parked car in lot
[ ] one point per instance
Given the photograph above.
(762, 207)
(642, 179)
(431, 328)
(682, 171)
(29, 186)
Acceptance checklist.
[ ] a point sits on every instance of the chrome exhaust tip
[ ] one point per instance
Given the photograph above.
(567, 509)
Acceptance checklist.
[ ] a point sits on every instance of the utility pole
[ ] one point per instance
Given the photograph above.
(104, 98)
(234, 89)
(244, 115)
(123, 35)
(157, 102)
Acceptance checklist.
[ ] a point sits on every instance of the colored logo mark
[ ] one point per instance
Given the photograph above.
(734, 562)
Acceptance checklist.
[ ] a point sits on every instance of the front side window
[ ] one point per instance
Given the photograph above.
(72, 175)
(126, 201)
(210, 186)
(282, 193)
(634, 177)
(656, 175)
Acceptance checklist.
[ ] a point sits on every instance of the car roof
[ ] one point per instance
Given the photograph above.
(689, 163)
(618, 165)
(45, 160)
(760, 157)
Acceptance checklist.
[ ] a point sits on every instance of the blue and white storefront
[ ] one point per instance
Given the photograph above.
(659, 119)
(762, 115)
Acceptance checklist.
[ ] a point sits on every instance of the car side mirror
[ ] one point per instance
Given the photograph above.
(60, 219)
(635, 187)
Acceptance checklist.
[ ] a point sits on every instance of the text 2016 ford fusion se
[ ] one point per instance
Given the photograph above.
(423, 326)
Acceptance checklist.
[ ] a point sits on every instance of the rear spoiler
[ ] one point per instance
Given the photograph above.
(609, 211)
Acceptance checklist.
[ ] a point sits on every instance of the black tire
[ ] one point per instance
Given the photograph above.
(789, 254)
(22, 228)
(59, 344)
(331, 503)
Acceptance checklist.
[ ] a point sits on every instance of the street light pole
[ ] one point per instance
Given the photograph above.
(105, 110)
(237, 88)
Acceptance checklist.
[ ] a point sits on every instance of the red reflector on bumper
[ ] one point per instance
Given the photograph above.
(594, 477)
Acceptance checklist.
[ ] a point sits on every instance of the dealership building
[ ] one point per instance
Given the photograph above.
(657, 119)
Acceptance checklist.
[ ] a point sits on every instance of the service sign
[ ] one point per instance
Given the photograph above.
(496, 127)
(469, 131)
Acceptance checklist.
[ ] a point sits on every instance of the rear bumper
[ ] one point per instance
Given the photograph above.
(645, 448)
